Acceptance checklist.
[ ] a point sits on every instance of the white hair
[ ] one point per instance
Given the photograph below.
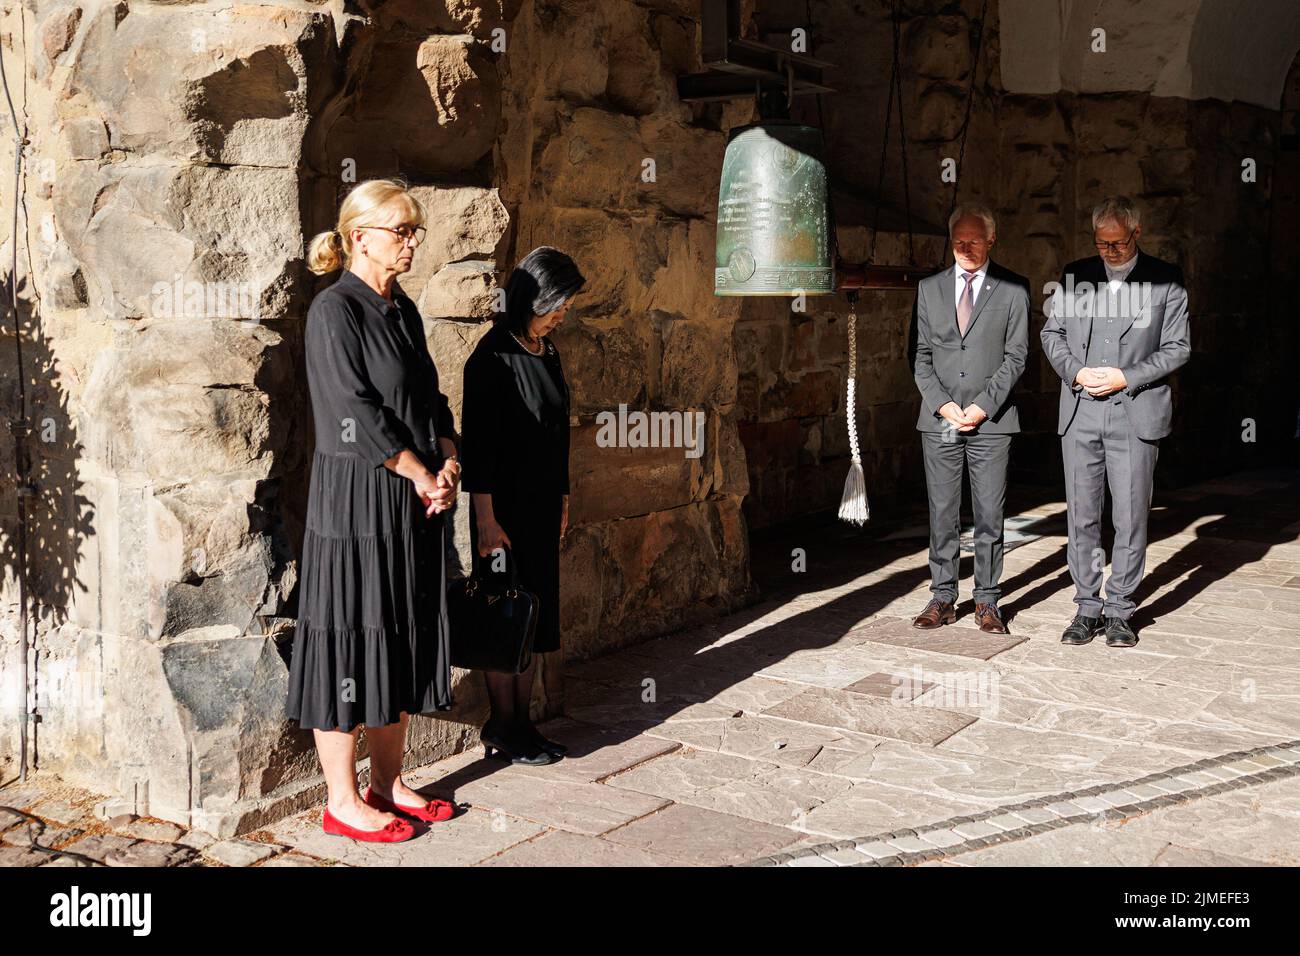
(1119, 210)
(978, 211)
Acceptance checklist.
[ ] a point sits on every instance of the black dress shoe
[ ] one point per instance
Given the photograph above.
(513, 747)
(1082, 630)
(550, 746)
(1118, 633)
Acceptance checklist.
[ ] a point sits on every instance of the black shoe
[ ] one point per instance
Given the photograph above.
(550, 746)
(1118, 633)
(1082, 630)
(512, 747)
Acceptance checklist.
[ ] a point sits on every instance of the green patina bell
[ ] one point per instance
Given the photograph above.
(773, 221)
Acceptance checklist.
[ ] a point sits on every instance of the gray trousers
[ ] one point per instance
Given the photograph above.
(1100, 448)
(985, 457)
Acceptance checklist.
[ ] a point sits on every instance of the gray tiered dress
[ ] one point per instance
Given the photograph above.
(371, 639)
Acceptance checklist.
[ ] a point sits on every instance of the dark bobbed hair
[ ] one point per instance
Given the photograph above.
(542, 282)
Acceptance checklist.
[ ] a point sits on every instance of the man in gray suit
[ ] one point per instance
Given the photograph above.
(972, 338)
(1116, 329)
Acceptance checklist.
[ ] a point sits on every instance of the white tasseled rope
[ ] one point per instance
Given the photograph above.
(853, 506)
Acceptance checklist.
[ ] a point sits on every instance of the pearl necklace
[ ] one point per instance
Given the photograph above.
(541, 345)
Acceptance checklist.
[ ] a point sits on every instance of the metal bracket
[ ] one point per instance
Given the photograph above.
(733, 64)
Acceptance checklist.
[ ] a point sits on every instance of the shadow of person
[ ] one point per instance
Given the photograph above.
(1247, 529)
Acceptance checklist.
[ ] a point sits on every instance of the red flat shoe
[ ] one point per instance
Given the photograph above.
(396, 831)
(435, 811)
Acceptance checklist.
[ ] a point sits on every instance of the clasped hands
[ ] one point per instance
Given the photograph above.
(962, 419)
(1100, 382)
(438, 492)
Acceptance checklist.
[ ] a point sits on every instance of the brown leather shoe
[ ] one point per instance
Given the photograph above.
(936, 614)
(989, 620)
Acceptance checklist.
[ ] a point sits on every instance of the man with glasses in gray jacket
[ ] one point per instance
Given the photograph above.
(1116, 329)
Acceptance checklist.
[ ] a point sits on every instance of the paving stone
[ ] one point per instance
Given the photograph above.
(99, 846)
(16, 856)
(843, 857)
(940, 838)
(862, 714)
(21, 796)
(1174, 855)
(912, 844)
(562, 848)
(1145, 791)
(158, 831)
(977, 830)
(1072, 846)
(1006, 821)
(1196, 779)
(238, 852)
(1221, 824)
(960, 641)
(1033, 815)
(811, 861)
(50, 836)
(60, 811)
(750, 788)
(1089, 804)
(891, 686)
(1118, 798)
(1067, 809)
(876, 849)
(150, 854)
(595, 752)
(695, 835)
(1267, 760)
(590, 808)
(197, 839)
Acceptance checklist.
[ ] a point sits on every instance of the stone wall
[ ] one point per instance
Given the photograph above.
(197, 146)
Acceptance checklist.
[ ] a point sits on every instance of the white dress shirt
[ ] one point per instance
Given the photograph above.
(975, 283)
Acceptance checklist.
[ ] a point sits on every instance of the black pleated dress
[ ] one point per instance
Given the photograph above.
(515, 447)
(371, 639)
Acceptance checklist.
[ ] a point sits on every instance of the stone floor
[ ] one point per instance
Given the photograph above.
(819, 729)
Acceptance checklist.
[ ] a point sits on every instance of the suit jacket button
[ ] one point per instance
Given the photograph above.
(962, 374)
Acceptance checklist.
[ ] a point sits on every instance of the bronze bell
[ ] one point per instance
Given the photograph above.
(774, 230)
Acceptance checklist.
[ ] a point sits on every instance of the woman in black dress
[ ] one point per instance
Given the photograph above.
(515, 438)
(371, 639)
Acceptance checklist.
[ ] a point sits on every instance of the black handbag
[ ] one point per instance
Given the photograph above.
(492, 628)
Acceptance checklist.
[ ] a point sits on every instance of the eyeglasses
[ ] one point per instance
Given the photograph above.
(405, 233)
(1114, 246)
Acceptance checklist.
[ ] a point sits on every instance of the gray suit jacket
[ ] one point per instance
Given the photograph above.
(1155, 340)
(982, 367)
